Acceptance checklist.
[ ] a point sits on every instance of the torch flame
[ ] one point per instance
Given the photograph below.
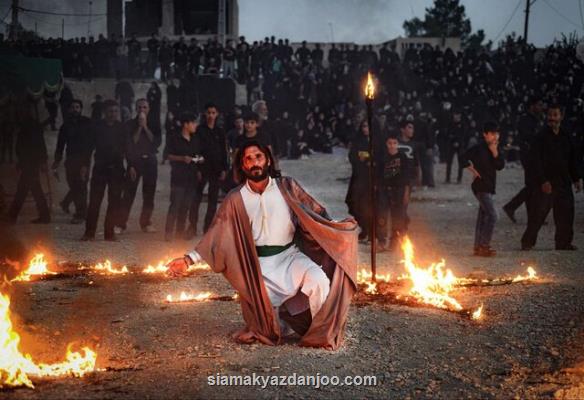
(36, 267)
(431, 285)
(369, 87)
(204, 296)
(16, 367)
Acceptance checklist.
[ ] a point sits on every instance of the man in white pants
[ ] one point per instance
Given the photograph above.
(256, 241)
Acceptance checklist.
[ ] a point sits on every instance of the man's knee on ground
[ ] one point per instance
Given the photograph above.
(316, 281)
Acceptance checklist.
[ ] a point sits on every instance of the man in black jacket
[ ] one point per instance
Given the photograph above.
(484, 160)
(457, 138)
(31, 152)
(75, 137)
(142, 142)
(214, 169)
(528, 127)
(552, 170)
(109, 143)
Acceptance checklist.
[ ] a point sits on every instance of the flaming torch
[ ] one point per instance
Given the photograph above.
(369, 96)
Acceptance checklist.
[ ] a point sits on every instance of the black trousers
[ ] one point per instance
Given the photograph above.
(102, 177)
(538, 207)
(392, 203)
(452, 151)
(181, 198)
(213, 194)
(29, 180)
(147, 170)
(77, 193)
(523, 194)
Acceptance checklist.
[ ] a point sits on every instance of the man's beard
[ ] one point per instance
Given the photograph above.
(256, 178)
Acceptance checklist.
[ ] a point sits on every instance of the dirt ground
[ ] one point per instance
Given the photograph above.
(528, 345)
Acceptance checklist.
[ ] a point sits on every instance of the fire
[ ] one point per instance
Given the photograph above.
(431, 285)
(531, 276)
(369, 87)
(189, 297)
(364, 277)
(107, 269)
(36, 267)
(162, 267)
(16, 367)
(478, 313)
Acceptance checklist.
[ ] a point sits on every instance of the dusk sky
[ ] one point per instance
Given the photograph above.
(361, 21)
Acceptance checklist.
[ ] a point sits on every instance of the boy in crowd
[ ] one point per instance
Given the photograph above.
(184, 155)
(394, 173)
(483, 160)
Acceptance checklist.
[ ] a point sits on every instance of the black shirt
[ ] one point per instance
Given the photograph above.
(75, 134)
(109, 143)
(181, 173)
(486, 165)
(411, 150)
(143, 147)
(552, 158)
(30, 148)
(393, 171)
(214, 148)
(261, 137)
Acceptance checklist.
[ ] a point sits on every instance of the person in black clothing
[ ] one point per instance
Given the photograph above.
(184, 153)
(108, 142)
(142, 144)
(153, 45)
(552, 169)
(483, 160)
(299, 146)
(97, 108)
(357, 198)
(52, 106)
(75, 136)
(455, 145)
(411, 149)
(214, 169)
(124, 94)
(393, 178)
(31, 152)
(154, 97)
(528, 127)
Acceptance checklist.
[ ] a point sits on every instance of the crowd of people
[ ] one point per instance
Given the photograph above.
(432, 104)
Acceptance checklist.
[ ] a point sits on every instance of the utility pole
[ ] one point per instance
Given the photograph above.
(526, 26)
(221, 21)
(14, 24)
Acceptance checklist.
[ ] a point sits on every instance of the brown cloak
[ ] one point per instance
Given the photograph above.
(228, 247)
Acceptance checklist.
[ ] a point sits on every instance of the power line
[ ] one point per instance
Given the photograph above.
(581, 13)
(62, 14)
(508, 21)
(561, 15)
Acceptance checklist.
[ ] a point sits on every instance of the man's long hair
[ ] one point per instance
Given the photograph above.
(241, 177)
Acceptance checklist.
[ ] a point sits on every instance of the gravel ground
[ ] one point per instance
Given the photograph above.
(529, 344)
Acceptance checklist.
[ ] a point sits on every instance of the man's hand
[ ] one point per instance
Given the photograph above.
(222, 175)
(177, 267)
(142, 120)
(132, 173)
(494, 148)
(429, 152)
(473, 171)
(546, 187)
(578, 185)
(187, 159)
(83, 173)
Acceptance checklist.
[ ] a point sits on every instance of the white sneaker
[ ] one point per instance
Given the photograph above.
(118, 230)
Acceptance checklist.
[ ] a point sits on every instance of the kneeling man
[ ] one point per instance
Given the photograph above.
(292, 265)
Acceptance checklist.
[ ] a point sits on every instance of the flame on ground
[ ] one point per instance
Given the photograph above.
(15, 367)
(106, 268)
(365, 277)
(531, 276)
(36, 267)
(204, 296)
(430, 285)
(478, 313)
(162, 268)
